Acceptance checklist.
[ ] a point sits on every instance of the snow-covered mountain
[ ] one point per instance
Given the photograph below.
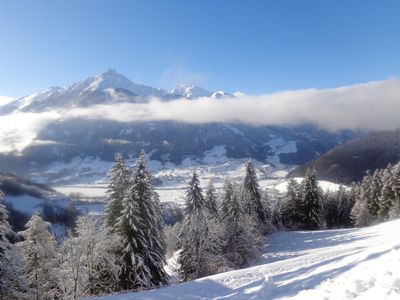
(108, 87)
(63, 141)
(190, 91)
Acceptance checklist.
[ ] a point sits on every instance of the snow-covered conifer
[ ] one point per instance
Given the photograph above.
(140, 228)
(200, 253)
(241, 236)
(251, 195)
(374, 193)
(38, 249)
(360, 213)
(310, 206)
(211, 199)
(119, 176)
(290, 205)
(387, 195)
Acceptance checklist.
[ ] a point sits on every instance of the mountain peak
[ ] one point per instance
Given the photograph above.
(190, 91)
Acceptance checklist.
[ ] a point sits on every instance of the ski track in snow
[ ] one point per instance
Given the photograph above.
(360, 263)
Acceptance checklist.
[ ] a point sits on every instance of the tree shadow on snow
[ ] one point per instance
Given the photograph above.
(289, 244)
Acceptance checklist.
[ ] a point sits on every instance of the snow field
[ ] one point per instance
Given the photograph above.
(360, 263)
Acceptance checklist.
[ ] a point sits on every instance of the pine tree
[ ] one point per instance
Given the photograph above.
(242, 239)
(13, 284)
(38, 249)
(199, 238)
(252, 196)
(211, 199)
(394, 211)
(140, 228)
(310, 206)
(360, 213)
(387, 195)
(374, 193)
(226, 198)
(119, 176)
(396, 183)
(291, 204)
(346, 200)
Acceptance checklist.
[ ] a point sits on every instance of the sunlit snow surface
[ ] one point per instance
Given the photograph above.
(334, 264)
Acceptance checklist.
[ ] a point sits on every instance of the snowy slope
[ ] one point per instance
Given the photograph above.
(335, 264)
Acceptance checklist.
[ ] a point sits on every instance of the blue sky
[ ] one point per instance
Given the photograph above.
(251, 46)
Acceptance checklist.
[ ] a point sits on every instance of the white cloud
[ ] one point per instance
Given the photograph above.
(20, 129)
(374, 105)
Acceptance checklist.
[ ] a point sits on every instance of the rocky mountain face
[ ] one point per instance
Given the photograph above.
(64, 141)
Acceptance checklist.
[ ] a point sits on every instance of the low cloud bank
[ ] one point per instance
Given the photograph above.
(374, 105)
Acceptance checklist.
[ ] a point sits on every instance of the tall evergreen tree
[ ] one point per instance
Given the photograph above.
(387, 195)
(242, 239)
(375, 191)
(360, 213)
(140, 227)
(199, 238)
(346, 200)
(39, 253)
(252, 196)
(226, 198)
(291, 204)
(310, 206)
(119, 176)
(211, 199)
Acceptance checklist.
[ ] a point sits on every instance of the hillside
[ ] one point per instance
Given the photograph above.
(332, 264)
(349, 162)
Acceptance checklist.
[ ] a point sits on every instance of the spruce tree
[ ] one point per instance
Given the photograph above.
(226, 198)
(242, 238)
(387, 195)
(140, 227)
(360, 213)
(396, 183)
(38, 249)
(291, 204)
(310, 206)
(252, 196)
(394, 211)
(119, 176)
(211, 199)
(375, 191)
(199, 237)
(346, 200)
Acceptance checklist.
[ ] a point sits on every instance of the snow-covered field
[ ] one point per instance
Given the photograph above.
(356, 263)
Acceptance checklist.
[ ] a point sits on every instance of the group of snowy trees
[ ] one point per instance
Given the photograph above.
(306, 206)
(123, 251)
(221, 232)
(378, 197)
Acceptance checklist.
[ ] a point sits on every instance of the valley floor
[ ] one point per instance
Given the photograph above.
(361, 263)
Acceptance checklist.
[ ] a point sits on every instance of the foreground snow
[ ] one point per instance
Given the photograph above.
(334, 264)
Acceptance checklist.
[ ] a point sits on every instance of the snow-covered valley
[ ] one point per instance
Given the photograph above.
(359, 263)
